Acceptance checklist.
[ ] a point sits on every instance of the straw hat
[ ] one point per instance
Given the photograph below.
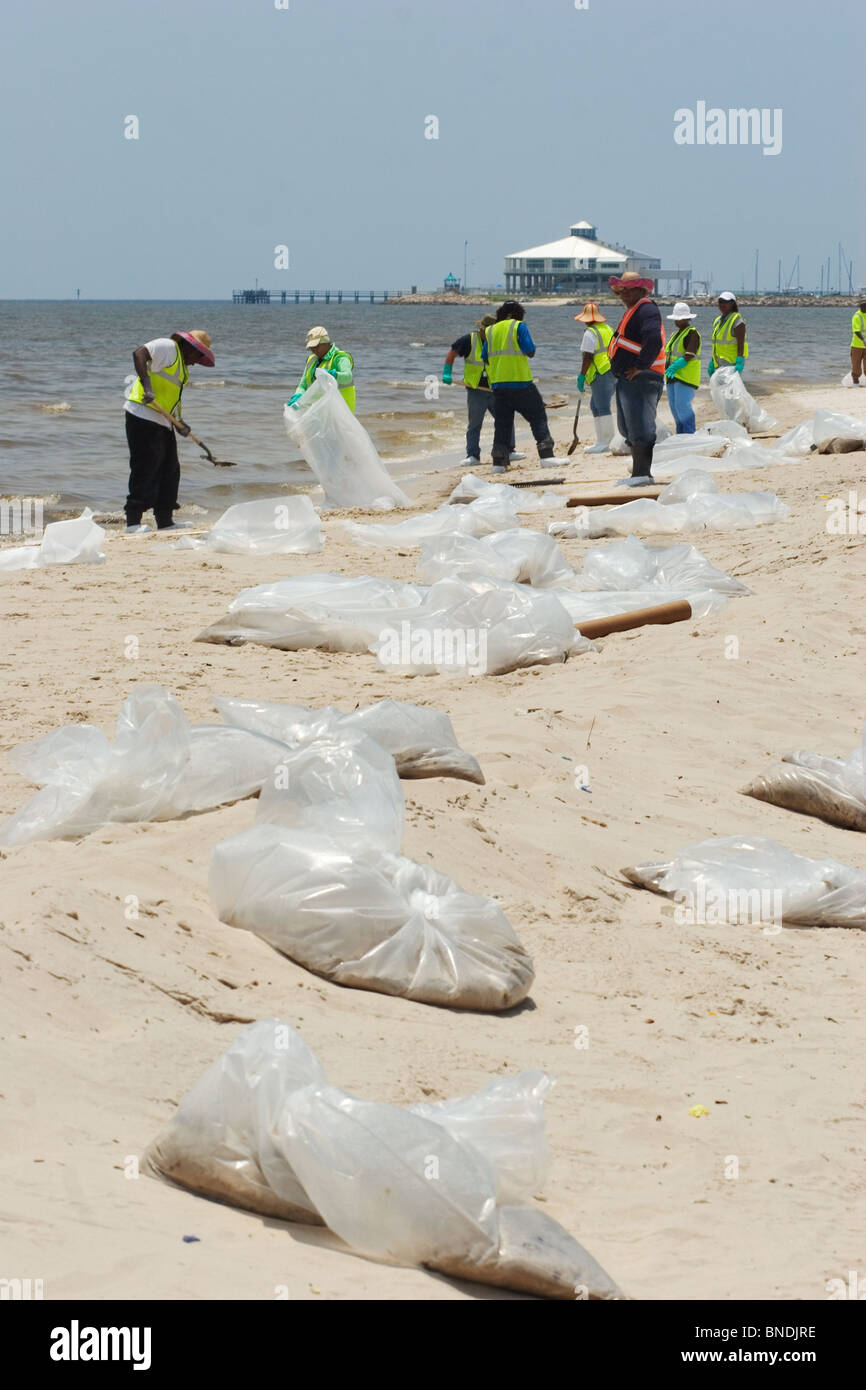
(630, 280)
(590, 314)
(318, 335)
(200, 340)
(682, 311)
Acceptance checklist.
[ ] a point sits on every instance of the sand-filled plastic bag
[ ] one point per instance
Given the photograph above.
(478, 627)
(328, 612)
(339, 450)
(286, 525)
(341, 785)
(674, 569)
(692, 502)
(492, 511)
(264, 1130)
(834, 789)
(471, 487)
(159, 767)
(733, 401)
(455, 627)
(369, 919)
(525, 557)
(832, 424)
(421, 741)
(752, 879)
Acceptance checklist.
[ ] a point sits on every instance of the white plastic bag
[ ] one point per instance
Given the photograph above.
(526, 557)
(831, 424)
(264, 1130)
(369, 919)
(739, 880)
(487, 514)
(287, 525)
(338, 449)
(471, 487)
(341, 785)
(733, 401)
(832, 788)
(73, 542)
(675, 570)
(158, 768)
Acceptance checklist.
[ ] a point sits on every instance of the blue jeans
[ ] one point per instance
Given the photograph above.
(680, 397)
(477, 405)
(601, 394)
(636, 405)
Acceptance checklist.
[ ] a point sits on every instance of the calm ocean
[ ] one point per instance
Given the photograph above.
(63, 364)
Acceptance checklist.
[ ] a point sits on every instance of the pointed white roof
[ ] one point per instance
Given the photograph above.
(571, 247)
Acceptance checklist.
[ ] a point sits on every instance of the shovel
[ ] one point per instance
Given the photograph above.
(217, 463)
(573, 445)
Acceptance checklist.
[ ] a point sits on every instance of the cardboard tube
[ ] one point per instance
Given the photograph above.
(676, 612)
(613, 499)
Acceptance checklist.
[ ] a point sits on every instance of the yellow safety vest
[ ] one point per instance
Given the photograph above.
(691, 372)
(505, 361)
(858, 325)
(600, 361)
(724, 343)
(167, 383)
(473, 367)
(326, 363)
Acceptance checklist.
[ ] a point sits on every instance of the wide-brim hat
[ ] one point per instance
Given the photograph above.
(590, 314)
(200, 340)
(630, 280)
(682, 311)
(316, 336)
(487, 322)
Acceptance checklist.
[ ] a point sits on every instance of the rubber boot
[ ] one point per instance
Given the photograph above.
(500, 459)
(641, 464)
(604, 431)
(545, 452)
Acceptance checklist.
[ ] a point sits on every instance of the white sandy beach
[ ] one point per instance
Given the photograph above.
(107, 1022)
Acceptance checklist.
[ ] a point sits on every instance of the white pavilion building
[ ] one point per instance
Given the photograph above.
(579, 262)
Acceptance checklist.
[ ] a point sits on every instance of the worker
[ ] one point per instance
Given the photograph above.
(729, 336)
(324, 354)
(596, 374)
(637, 360)
(161, 372)
(683, 367)
(479, 397)
(858, 344)
(506, 349)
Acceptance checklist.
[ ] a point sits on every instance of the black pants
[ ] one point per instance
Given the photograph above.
(526, 400)
(154, 471)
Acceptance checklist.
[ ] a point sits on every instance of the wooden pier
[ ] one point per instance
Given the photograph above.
(258, 296)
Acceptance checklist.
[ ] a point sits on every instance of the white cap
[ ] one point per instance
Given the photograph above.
(317, 335)
(726, 294)
(682, 311)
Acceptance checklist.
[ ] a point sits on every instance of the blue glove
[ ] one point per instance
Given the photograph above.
(738, 365)
(293, 402)
(581, 382)
(676, 366)
(711, 367)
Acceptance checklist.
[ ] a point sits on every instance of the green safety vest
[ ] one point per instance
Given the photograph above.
(328, 363)
(691, 372)
(167, 383)
(724, 343)
(858, 325)
(505, 361)
(473, 367)
(600, 361)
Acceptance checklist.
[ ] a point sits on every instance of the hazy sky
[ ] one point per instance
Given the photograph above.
(305, 127)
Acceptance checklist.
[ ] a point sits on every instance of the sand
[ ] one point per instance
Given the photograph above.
(108, 1017)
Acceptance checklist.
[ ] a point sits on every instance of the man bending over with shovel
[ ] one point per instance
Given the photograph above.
(152, 416)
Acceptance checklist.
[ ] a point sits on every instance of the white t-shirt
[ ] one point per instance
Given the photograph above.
(589, 342)
(162, 354)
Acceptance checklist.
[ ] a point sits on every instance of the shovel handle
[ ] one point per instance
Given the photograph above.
(154, 405)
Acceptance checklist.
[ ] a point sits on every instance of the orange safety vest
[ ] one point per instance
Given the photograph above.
(620, 340)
